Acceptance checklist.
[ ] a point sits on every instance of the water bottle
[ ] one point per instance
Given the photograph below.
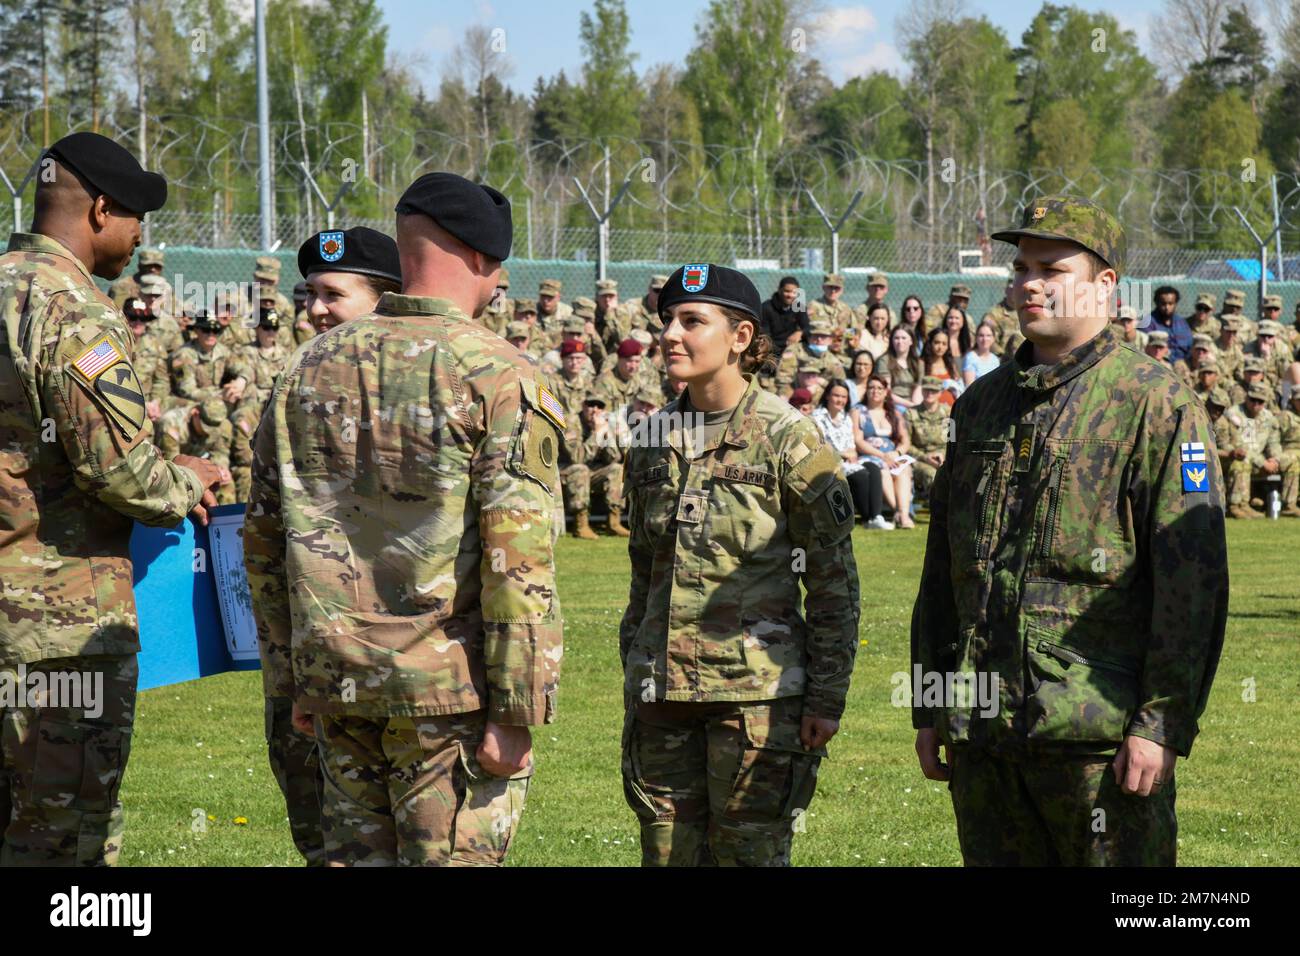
(1274, 504)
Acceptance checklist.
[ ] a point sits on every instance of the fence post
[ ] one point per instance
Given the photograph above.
(834, 227)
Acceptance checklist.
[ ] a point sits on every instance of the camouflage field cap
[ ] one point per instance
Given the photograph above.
(1269, 327)
(650, 395)
(1076, 220)
(212, 412)
(657, 282)
(550, 287)
(1207, 364)
(810, 366)
(574, 324)
(959, 291)
(1205, 300)
(152, 285)
(606, 286)
(1234, 297)
(1232, 323)
(833, 279)
(1218, 396)
(593, 398)
(1158, 338)
(1259, 391)
(931, 383)
(584, 308)
(821, 327)
(151, 257)
(1127, 313)
(1271, 302)
(1253, 363)
(1200, 341)
(644, 337)
(524, 307)
(518, 330)
(876, 278)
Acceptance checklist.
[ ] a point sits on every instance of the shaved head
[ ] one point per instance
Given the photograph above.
(94, 227)
(436, 263)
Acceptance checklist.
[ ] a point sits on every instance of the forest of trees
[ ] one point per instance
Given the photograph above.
(720, 142)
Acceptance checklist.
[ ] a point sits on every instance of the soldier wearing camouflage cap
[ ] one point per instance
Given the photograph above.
(1288, 427)
(501, 310)
(643, 313)
(958, 297)
(1202, 320)
(156, 292)
(927, 427)
(831, 308)
(407, 464)
(266, 280)
(78, 463)
(207, 367)
(877, 294)
(1260, 437)
(1098, 670)
(550, 310)
(148, 262)
(814, 353)
(1271, 347)
(724, 729)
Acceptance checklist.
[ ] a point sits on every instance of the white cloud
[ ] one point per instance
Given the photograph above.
(850, 43)
(845, 26)
(882, 56)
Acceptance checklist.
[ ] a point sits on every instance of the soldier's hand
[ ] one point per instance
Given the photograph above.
(1143, 766)
(505, 749)
(233, 391)
(153, 410)
(927, 751)
(1239, 453)
(302, 722)
(1271, 466)
(814, 732)
(210, 476)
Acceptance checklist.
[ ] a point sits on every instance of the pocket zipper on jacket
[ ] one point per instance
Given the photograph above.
(1055, 473)
(982, 545)
(1063, 654)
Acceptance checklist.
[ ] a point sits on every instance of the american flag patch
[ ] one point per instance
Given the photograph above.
(550, 405)
(103, 354)
(1193, 451)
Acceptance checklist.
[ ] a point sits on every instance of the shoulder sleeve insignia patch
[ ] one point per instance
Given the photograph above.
(550, 406)
(102, 355)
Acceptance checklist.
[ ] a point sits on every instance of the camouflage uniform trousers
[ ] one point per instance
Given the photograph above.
(717, 783)
(922, 473)
(297, 770)
(1240, 474)
(60, 769)
(409, 791)
(1056, 810)
(607, 483)
(575, 480)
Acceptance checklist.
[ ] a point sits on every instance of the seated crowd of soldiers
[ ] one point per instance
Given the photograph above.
(207, 375)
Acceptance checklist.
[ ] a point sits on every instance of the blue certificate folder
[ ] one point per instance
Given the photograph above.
(182, 636)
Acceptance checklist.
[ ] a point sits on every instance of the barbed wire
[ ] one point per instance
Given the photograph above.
(762, 201)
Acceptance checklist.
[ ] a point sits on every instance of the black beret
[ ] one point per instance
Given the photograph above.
(478, 216)
(207, 323)
(112, 170)
(705, 282)
(358, 249)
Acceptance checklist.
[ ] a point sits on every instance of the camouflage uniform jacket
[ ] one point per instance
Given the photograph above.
(264, 367)
(928, 429)
(399, 536)
(1227, 439)
(1065, 556)
(1259, 435)
(76, 461)
(197, 375)
(151, 368)
(1288, 429)
(166, 333)
(178, 437)
(615, 391)
(714, 608)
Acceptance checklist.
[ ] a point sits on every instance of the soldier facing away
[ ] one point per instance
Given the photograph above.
(399, 550)
(77, 465)
(1075, 576)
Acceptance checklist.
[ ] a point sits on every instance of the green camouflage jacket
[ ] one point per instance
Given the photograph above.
(399, 535)
(1076, 549)
(719, 546)
(76, 461)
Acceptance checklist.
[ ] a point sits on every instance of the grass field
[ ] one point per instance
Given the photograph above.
(199, 750)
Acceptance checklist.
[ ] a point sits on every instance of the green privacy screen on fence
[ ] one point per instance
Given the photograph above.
(187, 265)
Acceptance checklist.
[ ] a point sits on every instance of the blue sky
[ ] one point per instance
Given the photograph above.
(542, 35)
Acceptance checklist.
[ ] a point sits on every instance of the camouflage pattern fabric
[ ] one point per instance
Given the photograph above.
(928, 430)
(1006, 325)
(1288, 429)
(399, 538)
(708, 523)
(1072, 554)
(410, 792)
(575, 480)
(722, 784)
(177, 436)
(198, 375)
(1262, 439)
(76, 461)
(60, 769)
(1026, 810)
(296, 767)
(1076, 220)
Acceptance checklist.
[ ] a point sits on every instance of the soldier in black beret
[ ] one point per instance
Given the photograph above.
(346, 271)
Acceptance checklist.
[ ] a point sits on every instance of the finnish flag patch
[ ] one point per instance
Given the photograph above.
(1193, 451)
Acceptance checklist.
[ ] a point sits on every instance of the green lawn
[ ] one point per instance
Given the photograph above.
(199, 750)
